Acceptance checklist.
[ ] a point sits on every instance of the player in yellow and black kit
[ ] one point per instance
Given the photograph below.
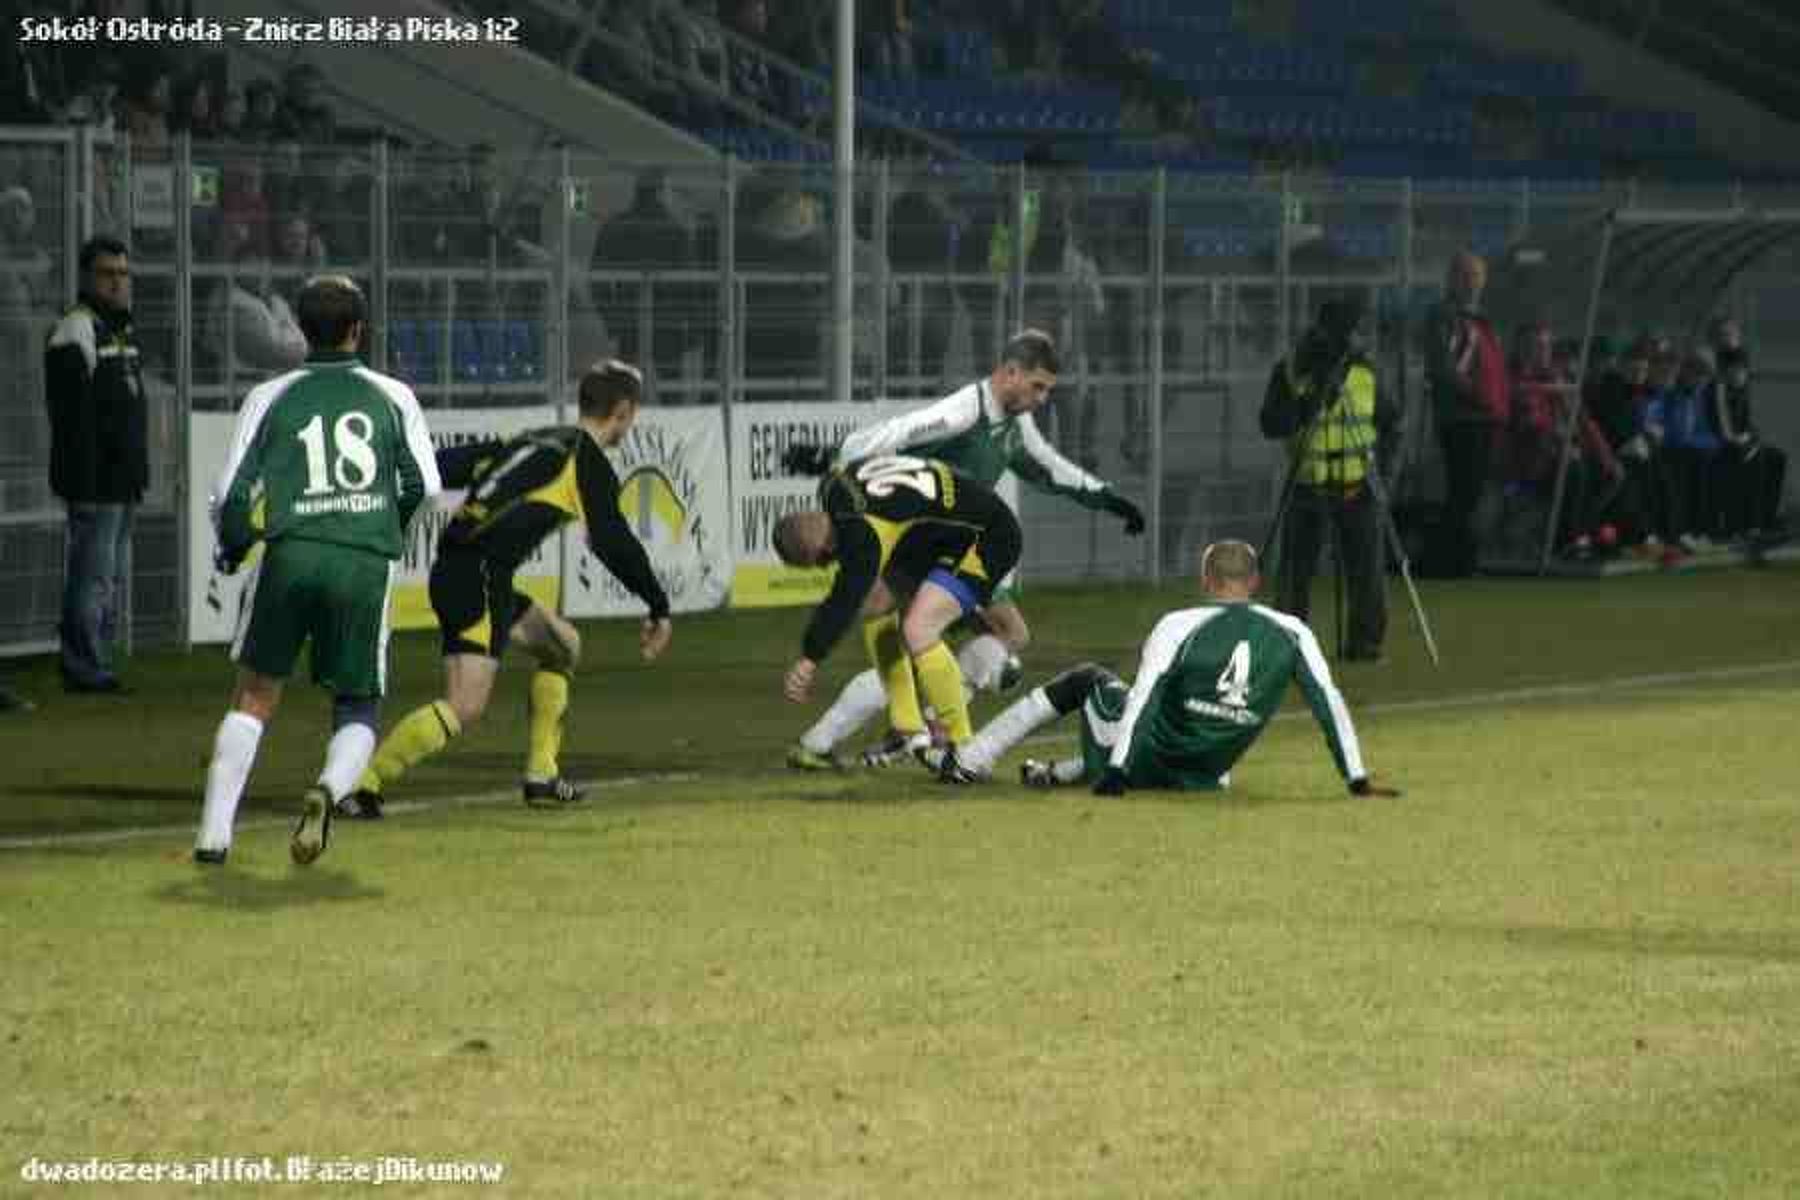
(520, 492)
(894, 524)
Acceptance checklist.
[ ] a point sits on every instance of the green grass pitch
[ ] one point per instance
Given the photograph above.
(1566, 963)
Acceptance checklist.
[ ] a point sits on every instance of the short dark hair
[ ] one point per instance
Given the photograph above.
(328, 308)
(94, 247)
(1032, 350)
(608, 384)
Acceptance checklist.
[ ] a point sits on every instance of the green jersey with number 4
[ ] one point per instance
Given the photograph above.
(331, 452)
(1210, 680)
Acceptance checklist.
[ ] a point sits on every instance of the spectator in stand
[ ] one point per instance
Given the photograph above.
(751, 81)
(95, 103)
(234, 110)
(784, 320)
(31, 87)
(298, 249)
(285, 180)
(25, 268)
(1760, 469)
(1677, 421)
(638, 56)
(264, 101)
(649, 236)
(249, 326)
(99, 457)
(1612, 397)
(304, 113)
(884, 38)
(148, 97)
(1466, 372)
(1542, 393)
(344, 203)
(924, 234)
(244, 203)
(193, 112)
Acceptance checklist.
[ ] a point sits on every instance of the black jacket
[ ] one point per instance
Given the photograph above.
(99, 451)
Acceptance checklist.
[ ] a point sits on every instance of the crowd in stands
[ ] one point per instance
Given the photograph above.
(1665, 460)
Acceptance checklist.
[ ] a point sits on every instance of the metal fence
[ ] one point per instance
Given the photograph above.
(495, 279)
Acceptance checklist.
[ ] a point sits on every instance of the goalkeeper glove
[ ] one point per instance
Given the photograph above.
(1119, 506)
(807, 460)
(1110, 783)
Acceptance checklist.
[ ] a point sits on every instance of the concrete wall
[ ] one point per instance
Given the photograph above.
(1614, 68)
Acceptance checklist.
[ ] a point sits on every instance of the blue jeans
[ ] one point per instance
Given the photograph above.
(99, 535)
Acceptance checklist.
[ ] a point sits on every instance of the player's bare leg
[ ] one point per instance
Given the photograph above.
(421, 733)
(556, 645)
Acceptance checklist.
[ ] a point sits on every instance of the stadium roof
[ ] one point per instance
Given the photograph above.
(1637, 269)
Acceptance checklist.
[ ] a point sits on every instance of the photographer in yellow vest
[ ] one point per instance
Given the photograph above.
(1324, 402)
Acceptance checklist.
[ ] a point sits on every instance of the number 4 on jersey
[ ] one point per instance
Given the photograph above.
(1234, 680)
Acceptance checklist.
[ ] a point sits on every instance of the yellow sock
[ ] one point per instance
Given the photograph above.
(888, 653)
(549, 700)
(942, 682)
(420, 734)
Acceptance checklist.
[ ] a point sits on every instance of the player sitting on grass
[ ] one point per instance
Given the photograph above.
(906, 519)
(1208, 683)
(982, 431)
(520, 492)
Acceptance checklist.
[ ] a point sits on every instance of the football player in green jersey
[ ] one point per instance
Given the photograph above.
(326, 467)
(890, 518)
(982, 431)
(520, 492)
(1210, 680)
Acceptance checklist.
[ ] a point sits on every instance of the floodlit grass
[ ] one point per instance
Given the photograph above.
(1567, 963)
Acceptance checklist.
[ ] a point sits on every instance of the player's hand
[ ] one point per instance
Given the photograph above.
(653, 637)
(1110, 783)
(1366, 786)
(1132, 515)
(797, 684)
(225, 562)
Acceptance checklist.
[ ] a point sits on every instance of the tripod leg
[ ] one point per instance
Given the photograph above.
(1385, 514)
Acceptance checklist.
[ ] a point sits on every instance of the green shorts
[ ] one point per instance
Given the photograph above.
(335, 597)
(1101, 714)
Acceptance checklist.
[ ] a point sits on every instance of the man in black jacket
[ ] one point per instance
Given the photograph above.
(1323, 401)
(99, 460)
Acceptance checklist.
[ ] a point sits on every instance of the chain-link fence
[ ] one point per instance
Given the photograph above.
(495, 278)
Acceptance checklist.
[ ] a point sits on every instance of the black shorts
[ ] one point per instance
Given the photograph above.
(475, 602)
(970, 563)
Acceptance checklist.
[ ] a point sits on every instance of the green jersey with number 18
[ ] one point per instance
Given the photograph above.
(330, 452)
(1210, 680)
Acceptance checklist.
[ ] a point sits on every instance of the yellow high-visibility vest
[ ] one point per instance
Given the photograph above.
(1336, 451)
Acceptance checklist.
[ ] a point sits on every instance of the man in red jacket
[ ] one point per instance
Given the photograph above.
(1466, 370)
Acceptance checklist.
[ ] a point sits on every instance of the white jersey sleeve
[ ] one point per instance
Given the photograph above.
(1058, 471)
(256, 408)
(956, 413)
(1322, 695)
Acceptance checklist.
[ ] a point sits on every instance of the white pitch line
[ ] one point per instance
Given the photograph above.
(1548, 691)
(400, 808)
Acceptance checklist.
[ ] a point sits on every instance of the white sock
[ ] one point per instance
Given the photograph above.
(1068, 770)
(854, 707)
(1007, 730)
(983, 661)
(234, 753)
(345, 759)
